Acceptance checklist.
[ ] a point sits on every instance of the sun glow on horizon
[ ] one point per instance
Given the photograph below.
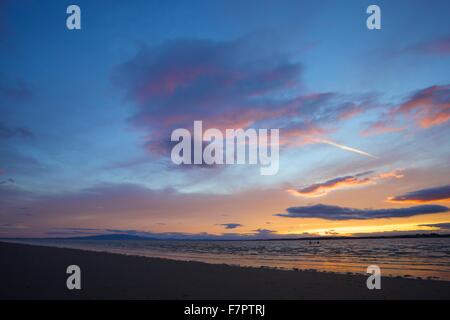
(352, 230)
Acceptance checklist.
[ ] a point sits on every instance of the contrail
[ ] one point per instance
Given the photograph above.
(340, 146)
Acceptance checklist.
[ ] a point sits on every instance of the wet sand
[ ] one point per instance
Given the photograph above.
(36, 272)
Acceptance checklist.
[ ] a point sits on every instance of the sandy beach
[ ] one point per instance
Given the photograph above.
(35, 272)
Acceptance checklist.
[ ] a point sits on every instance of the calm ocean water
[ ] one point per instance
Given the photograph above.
(424, 258)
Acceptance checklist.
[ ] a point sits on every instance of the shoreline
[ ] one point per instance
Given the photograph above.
(225, 261)
(38, 272)
(206, 261)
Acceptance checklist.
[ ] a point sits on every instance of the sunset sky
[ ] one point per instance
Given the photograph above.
(86, 117)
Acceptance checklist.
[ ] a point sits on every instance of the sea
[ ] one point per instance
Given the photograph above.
(426, 258)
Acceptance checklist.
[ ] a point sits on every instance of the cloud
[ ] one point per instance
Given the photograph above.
(225, 84)
(429, 106)
(257, 234)
(228, 85)
(328, 212)
(441, 226)
(74, 232)
(426, 108)
(231, 225)
(17, 132)
(17, 91)
(7, 181)
(103, 199)
(395, 233)
(360, 179)
(14, 89)
(435, 194)
(440, 47)
(79, 229)
(109, 205)
(132, 209)
(381, 127)
(11, 226)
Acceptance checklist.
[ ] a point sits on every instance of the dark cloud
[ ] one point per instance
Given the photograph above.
(192, 74)
(441, 226)
(328, 212)
(7, 228)
(74, 232)
(231, 225)
(78, 229)
(265, 233)
(7, 132)
(441, 193)
(18, 91)
(7, 181)
(394, 233)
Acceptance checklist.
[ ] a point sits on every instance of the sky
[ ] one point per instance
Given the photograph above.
(86, 118)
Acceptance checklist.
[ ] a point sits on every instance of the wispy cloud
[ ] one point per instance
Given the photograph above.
(357, 180)
(7, 132)
(425, 108)
(438, 46)
(429, 107)
(381, 127)
(15, 90)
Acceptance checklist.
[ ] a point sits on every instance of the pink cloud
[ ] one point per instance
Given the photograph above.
(381, 127)
(429, 107)
(361, 179)
(436, 47)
